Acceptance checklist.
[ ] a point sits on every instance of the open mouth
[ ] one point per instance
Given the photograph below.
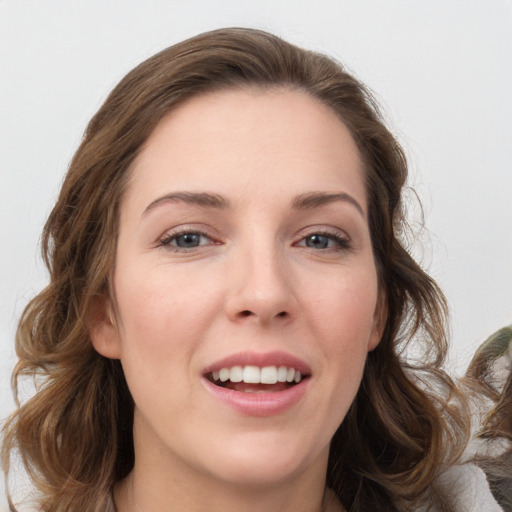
(253, 379)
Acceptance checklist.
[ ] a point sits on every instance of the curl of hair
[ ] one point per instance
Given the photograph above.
(75, 434)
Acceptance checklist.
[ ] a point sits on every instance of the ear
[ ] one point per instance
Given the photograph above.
(380, 317)
(102, 328)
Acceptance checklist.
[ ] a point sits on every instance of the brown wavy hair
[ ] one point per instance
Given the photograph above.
(75, 434)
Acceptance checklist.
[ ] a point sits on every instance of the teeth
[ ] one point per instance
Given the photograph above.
(255, 375)
(282, 372)
(236, 374)
(251, 375)
(269, 375)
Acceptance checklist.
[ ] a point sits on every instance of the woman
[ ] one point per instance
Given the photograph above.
(230, 300)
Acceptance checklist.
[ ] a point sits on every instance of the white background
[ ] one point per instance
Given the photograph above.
(442, 69)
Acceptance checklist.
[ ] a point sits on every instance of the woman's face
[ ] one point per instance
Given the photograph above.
(244, 254)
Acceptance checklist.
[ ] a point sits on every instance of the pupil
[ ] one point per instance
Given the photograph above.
(188, 240)
(317, 241)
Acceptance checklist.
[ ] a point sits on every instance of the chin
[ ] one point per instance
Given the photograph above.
(263, 460)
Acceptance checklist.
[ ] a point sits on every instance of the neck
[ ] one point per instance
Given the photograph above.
(170, 487)
(131, 496)
(163, 481)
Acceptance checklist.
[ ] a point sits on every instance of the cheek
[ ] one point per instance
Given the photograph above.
(161, 327)
(168, 304)
(344, 308)
(342, 319)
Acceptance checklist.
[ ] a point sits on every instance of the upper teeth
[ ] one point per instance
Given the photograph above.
(256, 375)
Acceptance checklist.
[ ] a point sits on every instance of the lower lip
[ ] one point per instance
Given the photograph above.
(259, 404)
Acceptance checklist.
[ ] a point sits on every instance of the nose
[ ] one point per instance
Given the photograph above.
(260, 288)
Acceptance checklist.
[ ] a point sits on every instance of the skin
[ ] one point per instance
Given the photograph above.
(255, 283)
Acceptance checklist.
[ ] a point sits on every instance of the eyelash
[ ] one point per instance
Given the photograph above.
(168, 238)
(342, 242)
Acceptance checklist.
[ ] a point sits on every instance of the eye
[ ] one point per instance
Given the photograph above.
(323, 241)
(185, 240)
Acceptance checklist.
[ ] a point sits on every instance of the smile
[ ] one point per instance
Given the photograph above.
(252, 386)
(252, 379)
(254, 375)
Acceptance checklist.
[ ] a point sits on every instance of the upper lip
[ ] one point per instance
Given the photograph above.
(261, 360)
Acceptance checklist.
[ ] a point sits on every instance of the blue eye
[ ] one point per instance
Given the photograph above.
(322, 241)
(185, 240)
(318, 241)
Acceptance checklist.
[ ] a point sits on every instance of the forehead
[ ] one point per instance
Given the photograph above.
(246, 138)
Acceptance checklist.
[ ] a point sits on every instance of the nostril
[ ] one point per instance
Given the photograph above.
(246, 312)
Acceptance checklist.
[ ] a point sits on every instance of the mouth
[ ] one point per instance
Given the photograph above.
(259, 384)
(255, 379)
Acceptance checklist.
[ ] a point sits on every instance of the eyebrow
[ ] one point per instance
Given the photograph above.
(317, 199)
(204, 199)
(306, 201)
